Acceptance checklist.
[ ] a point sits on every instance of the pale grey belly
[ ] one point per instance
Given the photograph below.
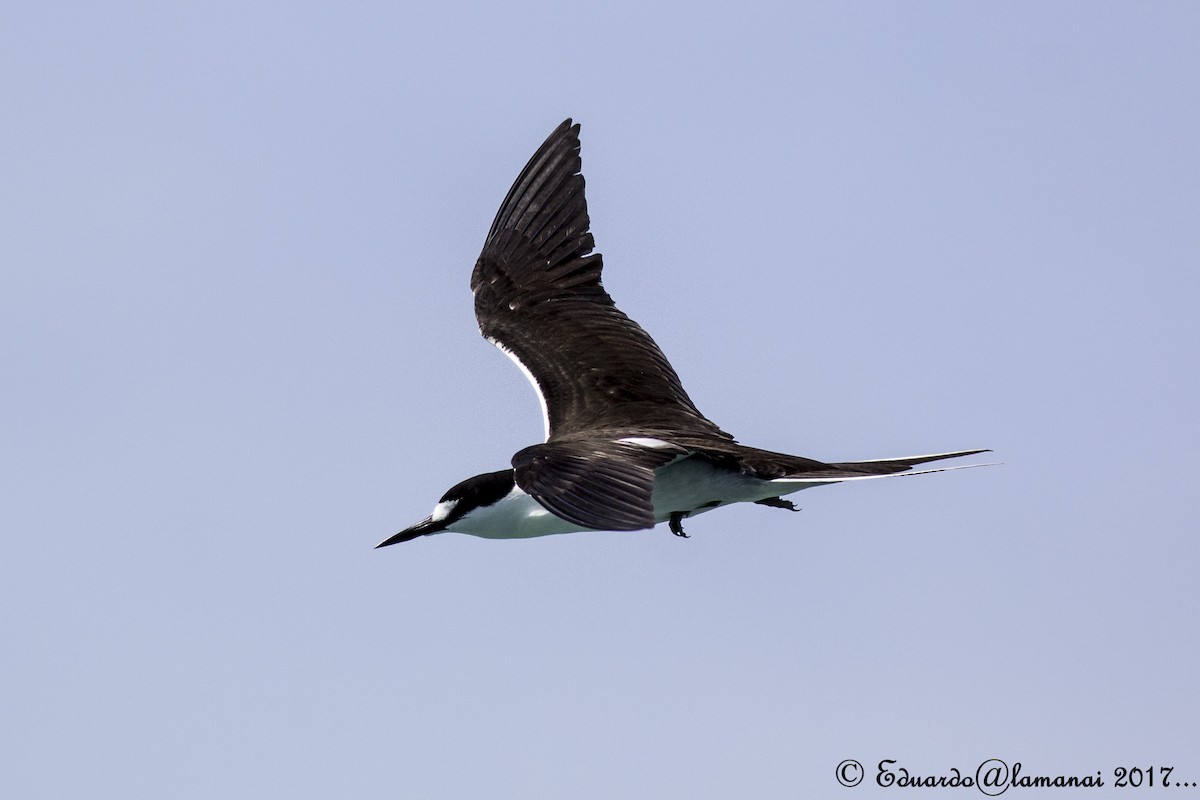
(693, 486)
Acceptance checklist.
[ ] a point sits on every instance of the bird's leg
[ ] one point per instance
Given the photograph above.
(676, 523)
(777, 502)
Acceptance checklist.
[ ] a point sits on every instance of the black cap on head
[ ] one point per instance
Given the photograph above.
(463, 498)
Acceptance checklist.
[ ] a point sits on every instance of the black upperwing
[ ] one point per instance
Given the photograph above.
(538, 296)
(598, 483)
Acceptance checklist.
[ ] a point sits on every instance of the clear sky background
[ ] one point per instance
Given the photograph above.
(238, 350)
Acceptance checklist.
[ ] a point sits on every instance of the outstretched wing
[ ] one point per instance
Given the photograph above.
(538, 298)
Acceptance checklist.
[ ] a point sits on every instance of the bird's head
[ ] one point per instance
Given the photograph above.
(458, 502)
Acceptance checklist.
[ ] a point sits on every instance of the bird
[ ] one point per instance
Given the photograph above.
(626, 448)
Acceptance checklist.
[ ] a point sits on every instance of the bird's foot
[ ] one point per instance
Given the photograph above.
(777, 502)
(676, 523)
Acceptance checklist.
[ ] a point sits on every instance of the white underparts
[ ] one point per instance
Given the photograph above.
(514, 516)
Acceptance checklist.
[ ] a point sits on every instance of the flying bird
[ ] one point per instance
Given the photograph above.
(625, 448)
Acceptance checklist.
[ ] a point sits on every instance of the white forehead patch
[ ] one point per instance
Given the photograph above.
(442, 510)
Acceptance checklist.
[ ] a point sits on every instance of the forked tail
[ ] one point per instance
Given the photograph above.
(803, 472)
(891, 466)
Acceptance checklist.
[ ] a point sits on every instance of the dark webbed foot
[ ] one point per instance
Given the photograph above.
(777, 502)
(676, 523)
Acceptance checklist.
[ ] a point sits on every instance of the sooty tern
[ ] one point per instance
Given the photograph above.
(625, 446)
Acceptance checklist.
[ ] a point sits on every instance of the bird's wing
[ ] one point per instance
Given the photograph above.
(597, 483)
(538, 297)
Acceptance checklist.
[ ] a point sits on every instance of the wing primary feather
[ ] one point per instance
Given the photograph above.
(538, 294)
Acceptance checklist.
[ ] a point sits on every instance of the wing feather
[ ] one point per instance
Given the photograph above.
(599, 484)
(539, 297)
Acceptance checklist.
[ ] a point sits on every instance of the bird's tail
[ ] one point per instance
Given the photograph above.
(877, 468)
(890, 466)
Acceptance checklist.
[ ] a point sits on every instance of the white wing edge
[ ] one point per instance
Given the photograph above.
(532, 382)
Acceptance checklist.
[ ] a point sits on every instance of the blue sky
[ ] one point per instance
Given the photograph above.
(239, 350)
